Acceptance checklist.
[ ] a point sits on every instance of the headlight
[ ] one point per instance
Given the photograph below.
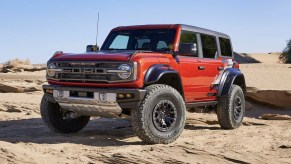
(125, 71)
(51, 70)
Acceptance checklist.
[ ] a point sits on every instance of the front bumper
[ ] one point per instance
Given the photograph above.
(103, 102)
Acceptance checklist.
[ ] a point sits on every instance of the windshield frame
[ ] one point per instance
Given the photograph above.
(134, 33)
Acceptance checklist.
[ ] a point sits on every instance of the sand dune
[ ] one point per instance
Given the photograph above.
(268, 82)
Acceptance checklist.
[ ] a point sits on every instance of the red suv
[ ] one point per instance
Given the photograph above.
(149, 73)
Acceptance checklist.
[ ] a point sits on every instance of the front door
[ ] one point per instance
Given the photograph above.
(192, 69)
(193, 78)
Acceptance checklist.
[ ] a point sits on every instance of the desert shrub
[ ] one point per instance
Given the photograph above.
(285, 57)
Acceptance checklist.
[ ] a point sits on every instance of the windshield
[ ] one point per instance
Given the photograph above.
(145, 39)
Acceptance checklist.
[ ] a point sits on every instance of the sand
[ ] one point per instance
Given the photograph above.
(268, 82)
(25, 139)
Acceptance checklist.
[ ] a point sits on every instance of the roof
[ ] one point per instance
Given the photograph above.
(202, 30)
(172, 26)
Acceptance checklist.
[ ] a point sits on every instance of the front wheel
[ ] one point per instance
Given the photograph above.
(231, 108)
(60, 120)
(161, 116)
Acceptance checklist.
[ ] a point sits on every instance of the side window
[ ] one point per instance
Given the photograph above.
(225, 47)
(119, 42)
(188, 44)
(188, 37)
(209, 46)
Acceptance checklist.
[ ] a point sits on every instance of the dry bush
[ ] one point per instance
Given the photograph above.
(17, 63)
(285, 57)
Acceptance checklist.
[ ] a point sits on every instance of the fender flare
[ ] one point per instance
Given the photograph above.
(159, 71)
(228, 78)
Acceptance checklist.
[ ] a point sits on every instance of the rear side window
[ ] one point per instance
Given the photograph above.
(225, 47)
(188, 37)
(209, 46)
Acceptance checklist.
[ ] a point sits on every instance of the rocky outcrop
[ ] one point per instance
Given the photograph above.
(275, 117)
(17, 65)
(277, 98)
(243, 58)
(1, 67)
(17, 89)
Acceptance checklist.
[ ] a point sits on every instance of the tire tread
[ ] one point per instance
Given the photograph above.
(138, 120)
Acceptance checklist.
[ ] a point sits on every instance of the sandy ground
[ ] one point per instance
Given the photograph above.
(269, 74)
(269, 82)
(25, 139)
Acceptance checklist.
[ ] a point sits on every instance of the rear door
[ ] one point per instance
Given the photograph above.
(213, 65)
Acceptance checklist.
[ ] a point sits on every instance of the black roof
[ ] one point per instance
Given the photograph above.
(202, 30)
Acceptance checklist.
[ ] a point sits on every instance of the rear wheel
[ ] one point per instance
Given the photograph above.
(231, 108)
(60, 120)
(161, 116)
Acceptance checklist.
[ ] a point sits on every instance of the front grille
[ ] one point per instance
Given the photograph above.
(87, 72)
(88, 65)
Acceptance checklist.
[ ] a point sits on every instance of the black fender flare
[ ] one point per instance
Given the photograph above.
(159, 71)
(228, 78)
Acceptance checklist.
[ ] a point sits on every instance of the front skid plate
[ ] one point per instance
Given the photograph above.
(103, 105)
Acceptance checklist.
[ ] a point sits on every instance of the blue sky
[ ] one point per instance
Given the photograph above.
(35, 29)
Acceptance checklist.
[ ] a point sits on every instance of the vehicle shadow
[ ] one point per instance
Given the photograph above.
(98, 132)
(193, 127)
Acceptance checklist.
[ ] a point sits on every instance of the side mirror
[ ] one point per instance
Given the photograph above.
(188, 49)
(92, 48)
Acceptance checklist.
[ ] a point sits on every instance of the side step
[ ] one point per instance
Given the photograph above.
(198, 104)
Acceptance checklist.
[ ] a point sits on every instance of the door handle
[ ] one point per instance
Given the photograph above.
(201, 67)
(220, 68)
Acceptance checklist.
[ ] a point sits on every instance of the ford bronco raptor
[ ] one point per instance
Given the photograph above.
(151, 74)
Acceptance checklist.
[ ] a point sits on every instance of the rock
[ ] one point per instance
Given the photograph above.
(9, 89)
(211, 122)
(285, 146)
(32, 89)
(29, 81)
(278, 98)
(12, 108)
(249, 123)
(40, 82)
(6, 70)
(275, 117)
(15, 89)
(34, 69)
(18, 70)
(17, 65)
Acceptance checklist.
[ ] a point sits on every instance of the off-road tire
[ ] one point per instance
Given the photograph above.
(52, 117)
(227, 115)
(142, 117)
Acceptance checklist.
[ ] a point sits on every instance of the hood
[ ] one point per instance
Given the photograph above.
(100, 56)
